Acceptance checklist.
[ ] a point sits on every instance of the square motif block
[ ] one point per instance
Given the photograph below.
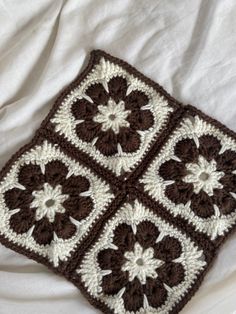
(48, 202)
(112, 113)
(194, 174)
(139, 263)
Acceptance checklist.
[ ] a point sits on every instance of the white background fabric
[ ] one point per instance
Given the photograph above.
(188, 46)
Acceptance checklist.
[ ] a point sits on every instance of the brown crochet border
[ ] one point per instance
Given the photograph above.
(188, 111)
(122, 191)
(37, 140)
(95, 57)
(206, 246)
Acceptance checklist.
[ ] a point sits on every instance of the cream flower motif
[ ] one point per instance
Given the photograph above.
(48, 202)
(141, 263)
(112, 116)
(204, 176)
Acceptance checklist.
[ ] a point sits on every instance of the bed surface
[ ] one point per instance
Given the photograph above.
(188, 46)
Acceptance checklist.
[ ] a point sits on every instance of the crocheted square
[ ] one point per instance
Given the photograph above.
(141, 263)
(194, 174)
(113, 115)
(48, 202)
(124, 191)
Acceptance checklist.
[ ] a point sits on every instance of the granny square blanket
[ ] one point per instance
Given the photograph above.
(123, 190)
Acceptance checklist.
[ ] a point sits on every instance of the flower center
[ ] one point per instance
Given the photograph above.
(48, 202)
(139, 262)
(203, 175)
(112, 116)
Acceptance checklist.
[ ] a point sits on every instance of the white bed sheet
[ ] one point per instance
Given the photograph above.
(188, 46)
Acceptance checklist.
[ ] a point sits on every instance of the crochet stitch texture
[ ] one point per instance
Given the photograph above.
(123, 190)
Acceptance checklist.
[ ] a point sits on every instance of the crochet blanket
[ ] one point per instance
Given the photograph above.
(123, 190)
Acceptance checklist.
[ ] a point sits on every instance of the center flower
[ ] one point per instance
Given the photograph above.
(204, 175)
(48, 202)
(112, 116)
(141, 263)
